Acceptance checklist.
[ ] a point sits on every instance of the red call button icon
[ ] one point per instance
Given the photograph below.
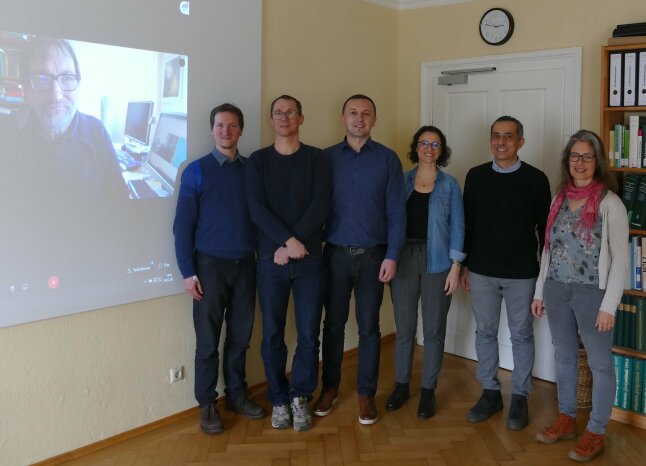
(53, 282)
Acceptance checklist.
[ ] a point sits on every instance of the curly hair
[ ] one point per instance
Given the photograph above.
(443, 159)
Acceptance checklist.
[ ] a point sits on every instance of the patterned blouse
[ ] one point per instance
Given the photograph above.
(574, 260)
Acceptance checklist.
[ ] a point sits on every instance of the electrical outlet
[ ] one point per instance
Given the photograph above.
(176, 374)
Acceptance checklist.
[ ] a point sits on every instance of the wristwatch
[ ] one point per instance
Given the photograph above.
(194, 277)
(459, 264)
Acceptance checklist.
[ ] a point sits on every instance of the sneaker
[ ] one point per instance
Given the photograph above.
(398, 397)
(490, 402)
(210, 421)
(588, 446)
(563, 429)
(518, 416)
(426, 409)
(326, 400)
(281, 417)
(302, 418)
(367, 410)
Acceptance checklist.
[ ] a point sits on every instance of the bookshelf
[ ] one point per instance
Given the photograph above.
(609, 117)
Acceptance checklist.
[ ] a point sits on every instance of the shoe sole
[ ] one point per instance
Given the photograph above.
(302, 429)
(470, 418)
(281, 427)
(551, 441)
(367, 422)
(325, 413)
(583, 459)
(250, 416)
(212, 431)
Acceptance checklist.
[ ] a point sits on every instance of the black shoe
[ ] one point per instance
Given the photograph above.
(426, 409)
(489, 403)
(518, 417)
(398, 397)
(243, 405)
(210, 419)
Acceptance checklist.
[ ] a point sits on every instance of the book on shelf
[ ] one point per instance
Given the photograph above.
(640, 325)
(637, 384)
(638, 218)
(636, 262)
(625, 400)
(618, 362)
(631, 182)
(634, 153)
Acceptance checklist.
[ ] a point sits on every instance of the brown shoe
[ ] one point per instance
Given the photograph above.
(588, 446)
(326, 399)
(367, 410)
(563, 429)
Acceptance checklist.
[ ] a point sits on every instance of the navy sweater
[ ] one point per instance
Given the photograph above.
(212, 215)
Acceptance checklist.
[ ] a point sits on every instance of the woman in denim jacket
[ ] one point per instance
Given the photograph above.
(429, 265)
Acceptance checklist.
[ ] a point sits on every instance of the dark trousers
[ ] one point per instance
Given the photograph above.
(306, 279)
(229, 288)
(345, 273)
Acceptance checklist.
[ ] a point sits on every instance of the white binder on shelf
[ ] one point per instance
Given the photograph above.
(614, 91)
(630, 78)
(641, 80)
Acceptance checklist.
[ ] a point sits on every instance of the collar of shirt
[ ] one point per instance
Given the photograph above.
(367, 146)
(221, 158)
(499, 169)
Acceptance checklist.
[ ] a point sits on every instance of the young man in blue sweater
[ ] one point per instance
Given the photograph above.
(215, 248)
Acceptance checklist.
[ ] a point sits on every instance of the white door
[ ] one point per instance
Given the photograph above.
(542, 90)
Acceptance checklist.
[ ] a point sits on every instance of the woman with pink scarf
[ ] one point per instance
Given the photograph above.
(584, 269)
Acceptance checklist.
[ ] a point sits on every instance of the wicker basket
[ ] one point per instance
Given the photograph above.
(584, 388)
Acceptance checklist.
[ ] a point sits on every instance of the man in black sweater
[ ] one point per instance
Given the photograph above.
(506, 203)
(288, 191)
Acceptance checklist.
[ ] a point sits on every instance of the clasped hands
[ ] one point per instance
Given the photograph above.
(292, 249)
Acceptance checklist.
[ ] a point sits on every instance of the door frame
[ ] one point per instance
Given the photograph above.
(568, 58)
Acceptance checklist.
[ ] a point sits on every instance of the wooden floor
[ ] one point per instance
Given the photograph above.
(399, 438)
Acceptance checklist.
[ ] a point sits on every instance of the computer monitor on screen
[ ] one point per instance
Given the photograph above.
(138, 117)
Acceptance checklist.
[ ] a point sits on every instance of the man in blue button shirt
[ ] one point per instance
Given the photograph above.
(214, 244)
(365, 232)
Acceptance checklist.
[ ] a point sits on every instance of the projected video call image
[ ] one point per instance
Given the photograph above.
(93, 136)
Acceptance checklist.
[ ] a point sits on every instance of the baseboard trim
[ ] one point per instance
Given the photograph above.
(115, 439)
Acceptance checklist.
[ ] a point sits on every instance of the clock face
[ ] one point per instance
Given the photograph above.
(496, 26)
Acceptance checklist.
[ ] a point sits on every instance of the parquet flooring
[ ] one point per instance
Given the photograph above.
(399, 438)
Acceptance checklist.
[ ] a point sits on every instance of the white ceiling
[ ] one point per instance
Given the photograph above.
(411, 4)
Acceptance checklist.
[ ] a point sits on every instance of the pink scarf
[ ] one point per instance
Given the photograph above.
(589, 212)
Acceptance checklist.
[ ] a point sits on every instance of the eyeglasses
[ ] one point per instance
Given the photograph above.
(573, 157)
(42, 82)
(429, 144)
(289, 114)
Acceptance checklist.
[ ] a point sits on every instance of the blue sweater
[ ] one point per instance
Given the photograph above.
(368, 206)
(289, 196)
(212, 215)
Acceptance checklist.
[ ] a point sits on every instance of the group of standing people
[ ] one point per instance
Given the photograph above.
(265, 219)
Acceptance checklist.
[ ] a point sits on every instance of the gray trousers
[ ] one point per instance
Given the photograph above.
(411, 283)
(573, 308)
(487, 294)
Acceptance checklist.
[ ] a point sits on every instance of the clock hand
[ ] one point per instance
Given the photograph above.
(493, 25)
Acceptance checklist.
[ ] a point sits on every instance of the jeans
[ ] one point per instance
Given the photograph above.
(229, 287)
(306, 278)
(487, 294)
(571, 311)
(411, 283)
(346, 272)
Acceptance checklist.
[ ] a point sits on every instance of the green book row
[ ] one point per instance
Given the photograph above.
(631, 388)
(634, 197)
(630, 323)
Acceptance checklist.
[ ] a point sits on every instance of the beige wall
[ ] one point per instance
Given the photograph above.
(447, 32)
(75, 380)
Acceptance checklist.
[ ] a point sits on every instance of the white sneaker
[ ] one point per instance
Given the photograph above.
(281, 418)
(302, 414)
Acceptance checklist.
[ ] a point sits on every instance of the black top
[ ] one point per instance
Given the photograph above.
(505, 217)
(417, 215)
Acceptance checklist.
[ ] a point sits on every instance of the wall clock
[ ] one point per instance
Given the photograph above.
(496, 26)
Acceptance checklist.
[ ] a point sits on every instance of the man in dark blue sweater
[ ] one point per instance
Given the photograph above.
(288, 187)
(506, 203)
(365, 233)
(214, 244)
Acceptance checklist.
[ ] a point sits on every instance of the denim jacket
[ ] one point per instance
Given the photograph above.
(445, 235)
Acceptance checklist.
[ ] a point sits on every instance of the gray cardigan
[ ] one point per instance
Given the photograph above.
(614, 263)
